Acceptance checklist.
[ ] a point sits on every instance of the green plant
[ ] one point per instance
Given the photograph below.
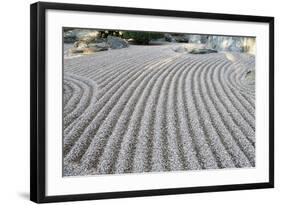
(142, 37)
(105, 33)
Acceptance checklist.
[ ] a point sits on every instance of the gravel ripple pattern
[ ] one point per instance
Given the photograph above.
(150, 109)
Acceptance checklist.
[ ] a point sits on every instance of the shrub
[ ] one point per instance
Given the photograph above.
(105, 33)
(142, 37)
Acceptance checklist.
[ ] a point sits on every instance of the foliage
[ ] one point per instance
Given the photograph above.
(142, 37)
(106, 33)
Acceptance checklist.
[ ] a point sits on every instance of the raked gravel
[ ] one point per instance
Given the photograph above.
(150, 109)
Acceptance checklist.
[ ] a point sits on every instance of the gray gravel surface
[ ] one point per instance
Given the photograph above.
(150, 109)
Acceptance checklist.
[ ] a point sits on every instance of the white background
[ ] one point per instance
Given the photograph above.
(14, 108)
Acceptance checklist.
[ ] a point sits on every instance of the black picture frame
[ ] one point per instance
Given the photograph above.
(38, 101)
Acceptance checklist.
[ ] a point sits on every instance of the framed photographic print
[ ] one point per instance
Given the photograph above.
(129, 102)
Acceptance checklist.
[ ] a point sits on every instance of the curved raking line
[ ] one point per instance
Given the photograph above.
(76, 85)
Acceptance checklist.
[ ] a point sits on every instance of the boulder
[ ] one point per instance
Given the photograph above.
(100, 40)
(168, 37)
(250, 45)
(80, 44)
(179, 49)
(98, 46)
(198, 38)
(194, 39)
(72, 35)
(183, 38)
(89, 48)
(90, 36)
(75, 50)
(191, 46)
(116, 42)
(233, 44)
(202, 51)
(204, 39)
(67, 38)
(195, 48)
